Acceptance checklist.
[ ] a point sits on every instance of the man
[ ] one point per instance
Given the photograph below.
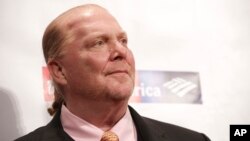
(93, 72)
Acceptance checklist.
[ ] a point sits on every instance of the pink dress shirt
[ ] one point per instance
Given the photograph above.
(81, 130)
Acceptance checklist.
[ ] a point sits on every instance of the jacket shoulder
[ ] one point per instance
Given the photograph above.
(175, 132)
(36, 135)
(53, 131)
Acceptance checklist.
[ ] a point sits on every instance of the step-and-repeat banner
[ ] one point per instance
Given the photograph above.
(192, 60)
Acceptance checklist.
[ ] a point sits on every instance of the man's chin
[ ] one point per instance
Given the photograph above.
(119, 95)
(119, 91)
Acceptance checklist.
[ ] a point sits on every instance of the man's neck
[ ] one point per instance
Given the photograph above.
(103, 115)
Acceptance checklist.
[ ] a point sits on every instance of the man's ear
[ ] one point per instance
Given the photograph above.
(57, 71)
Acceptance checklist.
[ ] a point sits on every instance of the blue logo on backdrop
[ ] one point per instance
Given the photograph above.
(167, 86)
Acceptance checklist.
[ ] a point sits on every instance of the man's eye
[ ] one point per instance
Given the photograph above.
(99, 43)
(124, 41)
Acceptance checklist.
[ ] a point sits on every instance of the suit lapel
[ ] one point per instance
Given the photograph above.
(145, 132)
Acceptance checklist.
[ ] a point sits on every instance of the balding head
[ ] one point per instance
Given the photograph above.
(56, 33)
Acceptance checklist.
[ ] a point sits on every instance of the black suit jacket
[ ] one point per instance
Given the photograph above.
(147, 130)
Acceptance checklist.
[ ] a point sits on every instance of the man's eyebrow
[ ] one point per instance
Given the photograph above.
(122, 34)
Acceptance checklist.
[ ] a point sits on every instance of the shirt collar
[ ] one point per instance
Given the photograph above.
(81, 130)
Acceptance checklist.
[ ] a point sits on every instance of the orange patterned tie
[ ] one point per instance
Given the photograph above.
(109, 136)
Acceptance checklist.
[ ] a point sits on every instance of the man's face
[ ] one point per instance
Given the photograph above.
(97, 63)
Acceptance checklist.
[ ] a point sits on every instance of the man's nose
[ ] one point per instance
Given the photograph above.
(118, 51)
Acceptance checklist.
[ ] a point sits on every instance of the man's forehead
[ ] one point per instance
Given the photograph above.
(81, 18)
(81, 13)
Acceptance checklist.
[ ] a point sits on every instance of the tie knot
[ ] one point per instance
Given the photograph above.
(109, 136)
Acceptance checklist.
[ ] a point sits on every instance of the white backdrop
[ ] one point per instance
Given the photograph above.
(211, 37)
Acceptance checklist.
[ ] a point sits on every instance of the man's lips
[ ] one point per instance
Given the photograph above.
(118, 72)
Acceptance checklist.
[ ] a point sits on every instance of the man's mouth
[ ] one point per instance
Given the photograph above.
(118, 72)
